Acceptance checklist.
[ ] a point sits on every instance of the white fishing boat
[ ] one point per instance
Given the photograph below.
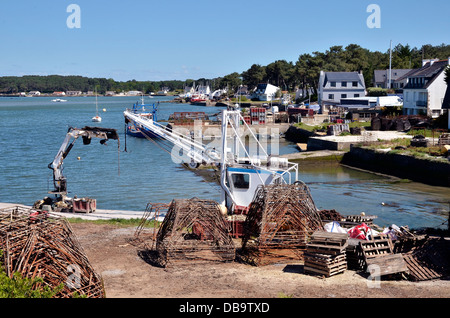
(59, 100)
(243, 168)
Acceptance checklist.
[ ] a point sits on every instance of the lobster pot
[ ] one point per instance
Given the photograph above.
(194, 230)
(279, 223)
(36, 243)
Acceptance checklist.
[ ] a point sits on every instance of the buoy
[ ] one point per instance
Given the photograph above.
(79, 158)
(362, 213)
(104, 109)
(223, 209)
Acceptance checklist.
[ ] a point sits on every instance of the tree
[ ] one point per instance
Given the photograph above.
(254, 76)
(280, 73)
(232, 80)
(447, 75)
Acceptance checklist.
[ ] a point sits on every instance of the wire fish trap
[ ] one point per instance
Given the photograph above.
(39, 244)
(194, 230)
(279, 223)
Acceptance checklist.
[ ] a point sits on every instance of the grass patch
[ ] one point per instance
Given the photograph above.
(116, 222)
(283, 295)
(307, 157)
(399, 181)
(426, 132)
(402, 146)
(324, 126)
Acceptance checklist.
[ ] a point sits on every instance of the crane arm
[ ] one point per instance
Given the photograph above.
(87, 133)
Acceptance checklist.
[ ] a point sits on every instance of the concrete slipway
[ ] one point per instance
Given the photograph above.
(99, 214)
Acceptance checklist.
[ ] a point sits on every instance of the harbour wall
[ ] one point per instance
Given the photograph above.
(296, 134)
(432, 172)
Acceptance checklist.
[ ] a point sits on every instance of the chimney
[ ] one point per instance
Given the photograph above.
(430, 61)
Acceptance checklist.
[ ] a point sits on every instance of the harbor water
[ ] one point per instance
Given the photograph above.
(33, 129)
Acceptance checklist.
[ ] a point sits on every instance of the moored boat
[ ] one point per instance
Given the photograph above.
(137, 129)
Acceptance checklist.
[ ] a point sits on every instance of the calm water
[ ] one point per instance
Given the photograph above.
(33, 129)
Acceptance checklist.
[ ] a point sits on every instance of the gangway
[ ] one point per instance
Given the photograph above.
(186, 148)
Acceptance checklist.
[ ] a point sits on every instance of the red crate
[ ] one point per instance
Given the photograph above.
(237, 228)
(84, 205)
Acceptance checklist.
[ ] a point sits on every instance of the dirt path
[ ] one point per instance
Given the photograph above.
(127, 275)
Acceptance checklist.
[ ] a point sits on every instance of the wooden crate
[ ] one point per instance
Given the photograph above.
(327, 243)
(380, 245)
(325, 253)
(379, 252)
(419, 271)
(349, 221)
(355, 258)
(429, 260)
(323, 264)
(386, 264)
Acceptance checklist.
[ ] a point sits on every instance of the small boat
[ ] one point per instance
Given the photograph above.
(135, 129)
(59, 100)
(96, 118)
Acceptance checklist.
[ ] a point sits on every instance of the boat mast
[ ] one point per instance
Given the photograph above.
(390, 65)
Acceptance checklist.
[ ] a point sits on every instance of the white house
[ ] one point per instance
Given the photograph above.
(189, 91)
(265, 92)
(334, 86)
(425, 89)
(218, 93)
(134, 93)
(203, 90)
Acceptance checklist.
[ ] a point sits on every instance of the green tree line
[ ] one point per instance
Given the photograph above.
(52, 83)
(288, 75)
(304, 73)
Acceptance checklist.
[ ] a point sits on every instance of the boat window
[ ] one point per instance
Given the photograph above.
(241, 180)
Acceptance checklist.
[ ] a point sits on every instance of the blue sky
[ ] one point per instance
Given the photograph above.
(181, 39)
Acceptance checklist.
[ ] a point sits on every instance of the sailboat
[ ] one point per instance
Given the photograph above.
(96, 118)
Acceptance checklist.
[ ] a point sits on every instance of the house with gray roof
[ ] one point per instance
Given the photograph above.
(334, 86)
(381, 78)
(425, 89)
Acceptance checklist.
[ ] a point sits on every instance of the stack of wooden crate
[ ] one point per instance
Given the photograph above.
(378, 252)
(353, 253)
(325, 254)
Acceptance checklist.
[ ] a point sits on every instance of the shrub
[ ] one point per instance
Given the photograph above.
(19, 287)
